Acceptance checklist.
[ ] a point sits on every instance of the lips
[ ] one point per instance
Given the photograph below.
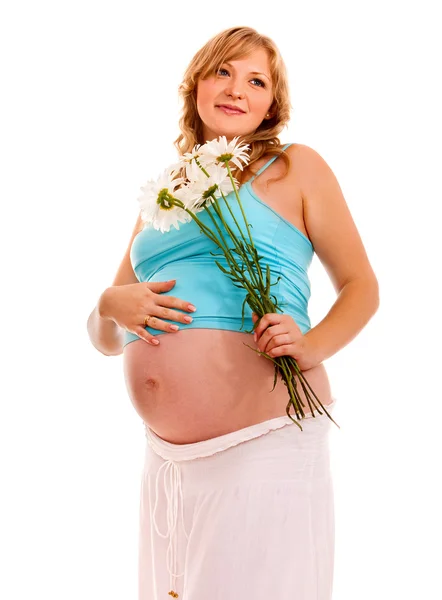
(228, 109)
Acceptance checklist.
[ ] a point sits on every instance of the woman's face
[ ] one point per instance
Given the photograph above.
(244, 84)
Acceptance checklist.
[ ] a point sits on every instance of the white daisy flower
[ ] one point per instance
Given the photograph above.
(156, 202)
(173, 217)
(196, 154)
(188, 197)
(201, 188)
(220, 151)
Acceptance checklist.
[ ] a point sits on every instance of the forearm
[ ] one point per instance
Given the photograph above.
(357, 302)
(106, 336)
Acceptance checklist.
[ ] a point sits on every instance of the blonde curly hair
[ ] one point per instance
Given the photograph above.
(233, 44)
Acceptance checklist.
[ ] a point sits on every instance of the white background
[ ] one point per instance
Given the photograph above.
(89, 111)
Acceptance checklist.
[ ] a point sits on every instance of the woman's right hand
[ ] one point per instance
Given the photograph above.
(128, 305)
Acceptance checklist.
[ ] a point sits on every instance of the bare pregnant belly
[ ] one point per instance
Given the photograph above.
(202, 383)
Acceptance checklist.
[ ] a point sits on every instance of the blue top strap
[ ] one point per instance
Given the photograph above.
(268, 163)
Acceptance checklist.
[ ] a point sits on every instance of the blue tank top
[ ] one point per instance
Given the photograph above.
(185, 255)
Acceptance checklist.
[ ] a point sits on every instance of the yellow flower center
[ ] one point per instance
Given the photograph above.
(208, 193)
(165, 200)
(225, 158)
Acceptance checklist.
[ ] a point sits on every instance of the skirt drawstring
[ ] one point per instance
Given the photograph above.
(174, 494)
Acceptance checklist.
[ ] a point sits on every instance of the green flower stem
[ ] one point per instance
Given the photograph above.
(210, 234)
(227, 250)
(233, 216)
(206, 229)
(231, 212)
(201, 167)
(292, 365)
(230, 232)
(239, 202)
(227, 253)
(238, 199)
(233, 237)
(285, 366)
(258, 284)
(239, 249)
(255, 277)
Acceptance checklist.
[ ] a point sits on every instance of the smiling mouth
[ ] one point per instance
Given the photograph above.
(230, 111)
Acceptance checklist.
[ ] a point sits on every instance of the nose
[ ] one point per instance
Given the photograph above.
(235, 90)
(235, 94)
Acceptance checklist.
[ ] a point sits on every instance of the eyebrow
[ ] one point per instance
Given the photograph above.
(251, 72)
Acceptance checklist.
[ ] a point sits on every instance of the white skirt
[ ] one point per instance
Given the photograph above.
(249, 514)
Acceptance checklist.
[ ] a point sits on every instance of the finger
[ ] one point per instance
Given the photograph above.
(160, 286)
(157, 323)
(282, 339)
(266, 342)
(172, 302)
(267, 320)
(284, 350)
(146, 336)
(163, 313)
(255, 321)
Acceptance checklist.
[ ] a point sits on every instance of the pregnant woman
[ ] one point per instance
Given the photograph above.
(237, 500)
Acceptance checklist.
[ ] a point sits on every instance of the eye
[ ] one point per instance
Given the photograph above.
(222, 70)
(260, 82)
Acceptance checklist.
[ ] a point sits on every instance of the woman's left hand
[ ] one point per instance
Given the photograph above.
(279, 335)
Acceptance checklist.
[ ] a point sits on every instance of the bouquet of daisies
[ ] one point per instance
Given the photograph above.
(202, 180)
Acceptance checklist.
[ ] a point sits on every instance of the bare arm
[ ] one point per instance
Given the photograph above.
(339, 247)
(355, 305)
(105, 335)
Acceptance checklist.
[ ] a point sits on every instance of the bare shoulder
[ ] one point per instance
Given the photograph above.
(311, 161)
(295, 152)
(328, 220)
(294, 149)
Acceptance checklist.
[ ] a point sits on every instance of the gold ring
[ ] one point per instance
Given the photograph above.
(146, 320)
